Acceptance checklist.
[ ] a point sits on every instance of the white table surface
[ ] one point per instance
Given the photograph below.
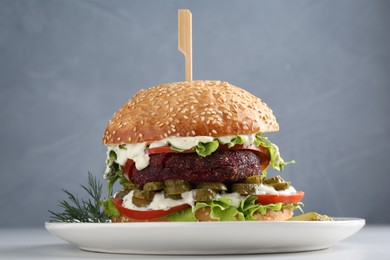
(372, 242)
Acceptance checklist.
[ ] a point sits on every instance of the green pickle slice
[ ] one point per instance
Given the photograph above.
(154, 186)
(131, 186)
(277, 182)
(257, 179)
(173, 187)
(281, 185)
(245, 188)
(121, 194)
(275, 179)
(311, 216)
(217, 186)
(173, 196)
(142, 198)
(203, 194)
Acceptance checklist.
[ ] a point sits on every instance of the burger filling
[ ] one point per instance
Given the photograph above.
(198, 178)
(223, 166)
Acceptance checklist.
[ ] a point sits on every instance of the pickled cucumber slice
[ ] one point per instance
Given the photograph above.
(281, 185)
(173, 187)
(311, 216)
(142, 198)
(173, 196)
(245, 188)
(143, 194)
(121, 194)
(141, 202)
(217, 186)
(203, 194)
(153, 186)
(131, 186)
(254, 179)
(275, 179)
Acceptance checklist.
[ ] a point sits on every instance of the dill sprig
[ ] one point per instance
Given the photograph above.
(81, 210)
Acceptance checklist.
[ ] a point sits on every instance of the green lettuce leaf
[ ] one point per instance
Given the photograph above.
(109, 208)
(113, 171)
(220, 209)
(205, 149)
(186, 215)
(236, 140)
(276, 161)
(248, 207)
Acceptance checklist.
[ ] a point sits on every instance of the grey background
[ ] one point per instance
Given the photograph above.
(322, 66)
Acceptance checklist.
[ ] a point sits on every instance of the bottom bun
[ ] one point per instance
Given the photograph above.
(203, 214)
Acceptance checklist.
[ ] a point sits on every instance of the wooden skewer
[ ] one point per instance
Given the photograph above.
(185, 39)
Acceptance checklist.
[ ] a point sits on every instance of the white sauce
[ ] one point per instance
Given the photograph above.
(159, 202)
(137, 153)
(234, 197)
(184, 143)
(268, 189)
(226, 139)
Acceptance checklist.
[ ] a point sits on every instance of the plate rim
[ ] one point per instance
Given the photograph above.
(337, 220)
(64, 229)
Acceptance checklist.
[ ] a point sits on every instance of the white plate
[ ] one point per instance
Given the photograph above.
(206, 237)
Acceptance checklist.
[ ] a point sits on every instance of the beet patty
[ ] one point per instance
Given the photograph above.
(221, 166)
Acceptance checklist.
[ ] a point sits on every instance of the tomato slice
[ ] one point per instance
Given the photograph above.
(161, 149)
(128, 169)
(275, 198)
(146, 214)
(165, 149)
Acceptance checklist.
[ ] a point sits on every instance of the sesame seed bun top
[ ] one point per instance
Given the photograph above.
(194, 108)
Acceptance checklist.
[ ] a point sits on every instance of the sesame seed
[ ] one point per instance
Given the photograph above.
(213, 131)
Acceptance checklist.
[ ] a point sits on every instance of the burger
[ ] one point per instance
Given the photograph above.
(195, 151)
